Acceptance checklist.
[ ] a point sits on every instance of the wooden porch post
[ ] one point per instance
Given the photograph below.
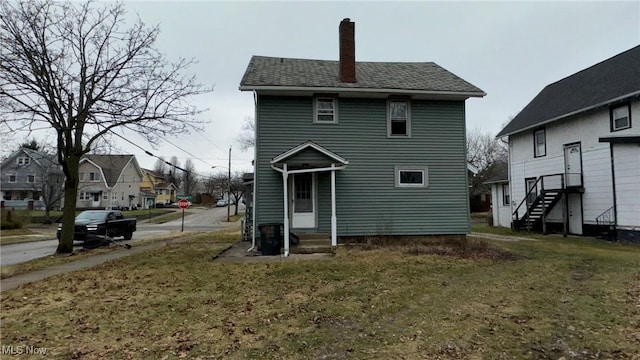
(285, 176)
(334, 220)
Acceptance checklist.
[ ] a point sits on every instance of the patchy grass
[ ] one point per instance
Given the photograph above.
(80, 253)
(27, 234)
(554, 298)
(235, 218)
(497, 230)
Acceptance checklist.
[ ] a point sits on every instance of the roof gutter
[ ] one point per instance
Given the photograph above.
(619, 98)
(362, 90)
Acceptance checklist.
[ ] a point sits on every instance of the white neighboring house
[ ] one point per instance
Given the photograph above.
(574, 153)
(109, 181)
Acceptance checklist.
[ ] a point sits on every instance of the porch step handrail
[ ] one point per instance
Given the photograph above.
(607, 217)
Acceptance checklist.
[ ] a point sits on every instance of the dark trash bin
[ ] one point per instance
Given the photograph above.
(271, 238)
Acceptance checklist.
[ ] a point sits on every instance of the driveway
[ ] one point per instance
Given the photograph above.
(201, 219)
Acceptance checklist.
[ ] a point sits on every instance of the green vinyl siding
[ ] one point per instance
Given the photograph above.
(367, 201)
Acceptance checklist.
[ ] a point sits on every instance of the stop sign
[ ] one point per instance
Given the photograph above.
(183, 203)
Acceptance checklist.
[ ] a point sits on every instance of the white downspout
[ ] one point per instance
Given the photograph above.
(285, 176)
(255, 172)
(334, 220)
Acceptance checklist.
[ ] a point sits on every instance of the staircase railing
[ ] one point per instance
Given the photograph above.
(553, 181)
(608, 217)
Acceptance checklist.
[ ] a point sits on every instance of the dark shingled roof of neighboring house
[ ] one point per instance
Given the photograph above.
(304, 73)
(112, 165)
(602, 84)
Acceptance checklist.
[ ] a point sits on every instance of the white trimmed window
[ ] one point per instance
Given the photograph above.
(411, 176)
(105, 196)
(620, 118)
(539, 143)
(31, 178)
(398, 118)
(94, 176)
(81, 176)
(326, 110)
(23, 160)
(505, 195)
(12, 178)
(114, 196)
(84, 196)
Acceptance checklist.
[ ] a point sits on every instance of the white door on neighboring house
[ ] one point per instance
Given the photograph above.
(96, 200)
(303, 201)
(533, 187)
(572, 165)
(575, 214)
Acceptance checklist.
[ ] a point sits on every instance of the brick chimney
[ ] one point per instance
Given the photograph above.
(347, 51)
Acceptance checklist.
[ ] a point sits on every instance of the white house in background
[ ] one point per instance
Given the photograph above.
(500, 196)
(109, 181)
(574, 152)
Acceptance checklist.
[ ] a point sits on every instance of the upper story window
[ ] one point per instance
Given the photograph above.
(94, 176)
(23, 160)
(620, 117)
(12, 178)
(31, 178)
(398, 118)
(81, 176)
(326, 110)
(411, 176)
(539, 143)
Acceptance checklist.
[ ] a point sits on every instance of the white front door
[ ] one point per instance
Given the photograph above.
(572, 165)
(96, 200)
(575, 214)
(304, 201)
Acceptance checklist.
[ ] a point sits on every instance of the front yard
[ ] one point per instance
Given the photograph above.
(541, 299)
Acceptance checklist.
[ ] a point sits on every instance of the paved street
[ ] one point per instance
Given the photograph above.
(201, 219)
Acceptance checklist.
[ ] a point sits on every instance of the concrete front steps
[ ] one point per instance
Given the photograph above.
(312, 244)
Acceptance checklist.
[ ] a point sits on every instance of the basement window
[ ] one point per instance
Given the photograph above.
(620, 118)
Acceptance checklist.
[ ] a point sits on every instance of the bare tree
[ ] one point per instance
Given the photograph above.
(76, 69)
(247, 137)
(189, 178)
(237, 191)
(173, 177)
(216, 185)
(483, 151)
(161, 166)
(49, 185)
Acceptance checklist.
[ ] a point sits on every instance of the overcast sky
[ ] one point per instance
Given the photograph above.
(511, 50)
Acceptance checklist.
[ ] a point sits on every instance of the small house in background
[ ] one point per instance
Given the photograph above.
(109, 181)
(161, 192)
(354, 150)
(574, 153)
(500, 195)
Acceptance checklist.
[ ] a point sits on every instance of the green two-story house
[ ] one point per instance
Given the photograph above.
(359, 149)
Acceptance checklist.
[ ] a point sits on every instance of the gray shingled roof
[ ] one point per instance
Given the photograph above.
(287, 72)
(112, 165)
(598, 85)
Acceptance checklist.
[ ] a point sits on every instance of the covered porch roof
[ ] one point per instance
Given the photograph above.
(308, 155)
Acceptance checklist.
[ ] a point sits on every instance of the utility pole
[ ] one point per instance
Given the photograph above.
(229, 189)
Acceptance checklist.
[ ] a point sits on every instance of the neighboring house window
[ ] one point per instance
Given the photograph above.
(84, 196)
(105, 196)
(326, 110)
(114, 196)
(23, 160)
(12, 178)
(411, 176)
(81, 176)
(94, 176)
(31, 178)
(505, 195)
(539, 143)
(398, 118)
(620, 118)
